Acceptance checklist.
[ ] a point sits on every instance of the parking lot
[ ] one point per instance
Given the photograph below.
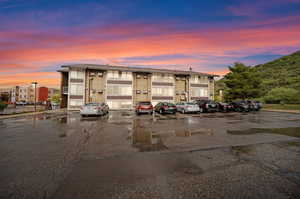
(122, 155)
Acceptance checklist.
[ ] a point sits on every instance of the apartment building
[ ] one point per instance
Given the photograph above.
(122, 87)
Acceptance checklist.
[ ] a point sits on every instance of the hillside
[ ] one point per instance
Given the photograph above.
(282, 72)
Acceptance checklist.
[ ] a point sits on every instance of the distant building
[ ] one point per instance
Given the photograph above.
(26, 93)
(52, 92)
(122, 87)
(42, 94)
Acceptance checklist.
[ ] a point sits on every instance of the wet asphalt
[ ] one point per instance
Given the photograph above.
(121, 155)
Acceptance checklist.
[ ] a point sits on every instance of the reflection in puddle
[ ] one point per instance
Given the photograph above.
(291, 131)
(145, 138)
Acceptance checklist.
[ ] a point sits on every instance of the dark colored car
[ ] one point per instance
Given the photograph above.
(207, 106)
(254, 105)
(165, 107)
(144, 107)
(225, 107)
(241, 106)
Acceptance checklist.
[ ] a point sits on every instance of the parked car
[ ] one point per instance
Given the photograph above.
(225, 107)
(165, 107)
(187, 107)
(94, 109)
(144, 107)
(23, 103)
(254, 105)
(241, 106)
(207, 106)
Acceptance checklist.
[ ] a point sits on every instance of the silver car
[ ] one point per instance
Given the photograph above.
(187, 107)
(94, 109)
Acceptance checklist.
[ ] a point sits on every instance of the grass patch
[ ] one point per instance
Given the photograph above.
(297, 144)
(292, 131)
(282, 106)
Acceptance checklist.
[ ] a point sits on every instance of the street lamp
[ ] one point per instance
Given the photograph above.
(35, 83)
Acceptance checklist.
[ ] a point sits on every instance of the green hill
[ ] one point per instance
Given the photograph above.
(282, 72)
(277, 81)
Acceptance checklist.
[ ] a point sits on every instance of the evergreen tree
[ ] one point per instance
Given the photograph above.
(242, 82)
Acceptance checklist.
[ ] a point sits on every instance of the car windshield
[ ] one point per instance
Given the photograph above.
(92, 104)
(190, 103)
(168, 104)
(145, 103)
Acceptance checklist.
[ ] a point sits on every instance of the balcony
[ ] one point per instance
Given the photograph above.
(65, 90)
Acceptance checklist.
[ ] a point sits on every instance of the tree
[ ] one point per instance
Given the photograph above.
(56, 98)
(242, 82)
(283, 96)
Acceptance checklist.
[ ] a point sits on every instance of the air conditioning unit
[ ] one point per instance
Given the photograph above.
(138, 76)
(145, 91)
(138, 92)
(100, 74)
(177, 78)
(100, 91)
(145, 77)
(92, 74)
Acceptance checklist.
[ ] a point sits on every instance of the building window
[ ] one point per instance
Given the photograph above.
(119, 90)
(76, 89)
(76, 74)
(76, 102)
(158, 77)
(163, 91)
(118, 75)
(199, 92)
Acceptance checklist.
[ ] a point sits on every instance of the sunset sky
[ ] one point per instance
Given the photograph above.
(38, 36)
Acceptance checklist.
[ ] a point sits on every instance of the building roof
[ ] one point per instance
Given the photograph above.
(65, 68)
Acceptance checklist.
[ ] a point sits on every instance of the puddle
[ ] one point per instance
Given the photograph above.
(291, 131)
(145, 138)
(239, 150)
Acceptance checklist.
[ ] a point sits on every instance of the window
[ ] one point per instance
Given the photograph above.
(199, 92)
(160, 77)
(117, 90)
(76, 102)
(163, 91)
(76, 89)
(118, 75)
(76, 74)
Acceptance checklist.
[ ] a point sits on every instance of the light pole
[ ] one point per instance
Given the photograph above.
(35, 83)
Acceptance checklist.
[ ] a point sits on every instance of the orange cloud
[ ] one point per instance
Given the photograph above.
(43, 78)
(213, 42)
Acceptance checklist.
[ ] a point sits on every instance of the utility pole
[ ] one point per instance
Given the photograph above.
(35, 83)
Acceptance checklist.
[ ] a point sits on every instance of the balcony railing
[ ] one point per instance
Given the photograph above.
(65, 90)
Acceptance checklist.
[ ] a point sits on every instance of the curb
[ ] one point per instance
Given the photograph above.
(282, 111)
(32, 113)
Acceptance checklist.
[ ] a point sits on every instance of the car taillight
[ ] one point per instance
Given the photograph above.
(165, 107)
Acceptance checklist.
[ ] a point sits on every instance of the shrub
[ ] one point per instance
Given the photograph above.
(2, 105)
(282, 95)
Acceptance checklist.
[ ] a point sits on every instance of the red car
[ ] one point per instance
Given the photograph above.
(144, 107)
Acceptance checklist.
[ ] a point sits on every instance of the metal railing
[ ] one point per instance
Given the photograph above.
(65, 90)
